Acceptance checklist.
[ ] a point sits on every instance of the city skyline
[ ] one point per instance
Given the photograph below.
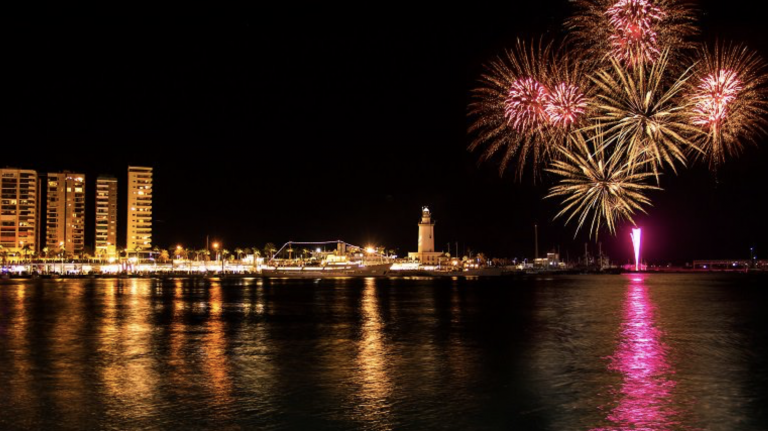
(46, 213)
(348, 137)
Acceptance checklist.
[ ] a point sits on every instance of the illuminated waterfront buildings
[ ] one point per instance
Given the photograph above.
(106, 217)
(139, 220)
(19, 210)
(65, 213)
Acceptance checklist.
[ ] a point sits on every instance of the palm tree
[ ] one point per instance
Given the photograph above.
(26, 251)
(201, 254)
(239, 253)
(164, 256)
(269, 249)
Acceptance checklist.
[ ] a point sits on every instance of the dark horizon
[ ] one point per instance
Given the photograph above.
(335, 129)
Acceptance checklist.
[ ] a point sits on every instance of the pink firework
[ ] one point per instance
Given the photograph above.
(714, 93)
(525, 105)
(633, 39)
(564, 104)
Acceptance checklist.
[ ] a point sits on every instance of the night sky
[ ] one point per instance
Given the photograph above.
(267, 126)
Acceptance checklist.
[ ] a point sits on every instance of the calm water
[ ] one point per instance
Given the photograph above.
(652, 352)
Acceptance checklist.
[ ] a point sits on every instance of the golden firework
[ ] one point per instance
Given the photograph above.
(643, 116)
(599, 186)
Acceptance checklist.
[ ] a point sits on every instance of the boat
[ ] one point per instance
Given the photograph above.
(322, 261)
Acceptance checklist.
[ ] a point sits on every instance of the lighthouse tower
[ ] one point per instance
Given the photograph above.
(426, 232)
(426, 254)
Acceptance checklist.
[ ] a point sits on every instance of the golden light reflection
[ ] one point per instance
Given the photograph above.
(216, 363)
(129, 375)
(68, 363)
(257, 370)
(16, 329)
(371, 361)
(177, 339)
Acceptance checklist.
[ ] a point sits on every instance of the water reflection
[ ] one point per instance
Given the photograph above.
(384, 354)
(644, 400)
(216, 363)
(129, 374)
(371, 361)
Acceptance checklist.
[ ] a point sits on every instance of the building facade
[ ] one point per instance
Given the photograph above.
(65, 213)
(19, 211)
(106, 217)
(139, 220)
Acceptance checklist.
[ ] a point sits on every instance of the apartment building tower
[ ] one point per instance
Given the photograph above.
(19, 210)
(106, 217)
(139, 220)
(65, 213)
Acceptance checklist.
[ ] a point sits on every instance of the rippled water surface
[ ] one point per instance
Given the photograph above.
(653, 352)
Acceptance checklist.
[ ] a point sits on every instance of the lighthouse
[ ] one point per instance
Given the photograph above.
(426, 254)
(426, 232)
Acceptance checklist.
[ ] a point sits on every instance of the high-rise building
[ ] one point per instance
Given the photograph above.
(139, 220)
(65, 215)
(106, 217)
(19, 210)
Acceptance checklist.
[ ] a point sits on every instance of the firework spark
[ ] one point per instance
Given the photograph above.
(643, 116)
(715, 92)
(728, 97)
(634, 32)
(565, 104)
(605, 190)
(526, 105)
(633, 39)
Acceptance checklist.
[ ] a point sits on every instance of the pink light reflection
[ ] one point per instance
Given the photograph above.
(644, 401)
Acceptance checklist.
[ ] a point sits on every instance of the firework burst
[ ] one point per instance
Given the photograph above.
(643, 116)
(728, 97)
(565, 104)
(618, 106)
(634, 32)
(527, 103)
(633, 38)
(602, 189)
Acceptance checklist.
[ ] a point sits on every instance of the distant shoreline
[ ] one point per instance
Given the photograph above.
(409, 274)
